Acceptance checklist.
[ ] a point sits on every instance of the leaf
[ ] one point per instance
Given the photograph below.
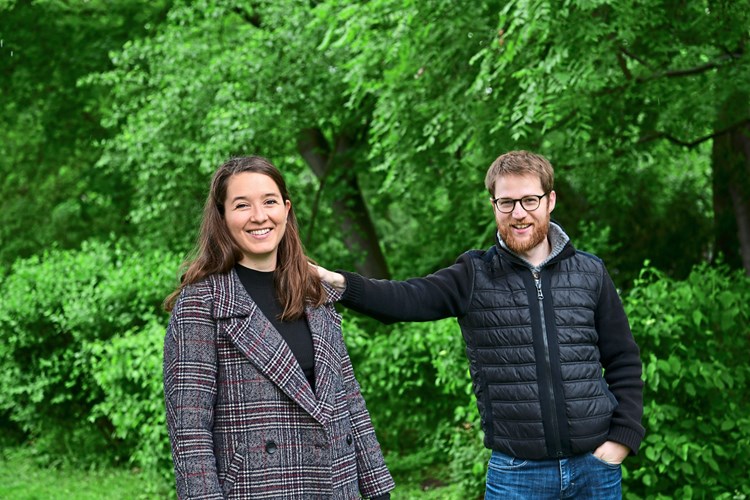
(697, 317)
(690, 389)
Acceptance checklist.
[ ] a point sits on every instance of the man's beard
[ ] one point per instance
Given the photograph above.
(520, 247)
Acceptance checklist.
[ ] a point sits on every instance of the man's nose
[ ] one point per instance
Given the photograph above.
(518, 211)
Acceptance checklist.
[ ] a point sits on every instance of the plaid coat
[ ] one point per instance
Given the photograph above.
(243, 420)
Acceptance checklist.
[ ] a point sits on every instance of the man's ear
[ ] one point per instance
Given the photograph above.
(552, 200)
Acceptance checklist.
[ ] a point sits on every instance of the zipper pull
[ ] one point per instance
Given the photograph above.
(538, 282)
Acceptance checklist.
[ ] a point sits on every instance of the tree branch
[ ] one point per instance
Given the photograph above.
(252, 18)
(691, 144)
(695, 70)
(315, 150)
(623, 65)
(625, 51)
(672, 73)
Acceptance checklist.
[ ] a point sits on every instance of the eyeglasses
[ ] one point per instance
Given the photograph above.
(528, 203)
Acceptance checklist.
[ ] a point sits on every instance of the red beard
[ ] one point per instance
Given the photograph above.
(523, 245)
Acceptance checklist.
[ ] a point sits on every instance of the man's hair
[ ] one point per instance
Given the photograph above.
(520, 163)
(297, 284)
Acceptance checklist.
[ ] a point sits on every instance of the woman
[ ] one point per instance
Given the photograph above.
(260, 394)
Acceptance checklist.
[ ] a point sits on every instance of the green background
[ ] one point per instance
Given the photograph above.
(384, 116)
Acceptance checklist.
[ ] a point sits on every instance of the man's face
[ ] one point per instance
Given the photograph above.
(524, 232)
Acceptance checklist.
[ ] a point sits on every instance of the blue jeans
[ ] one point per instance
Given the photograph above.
(580, 477)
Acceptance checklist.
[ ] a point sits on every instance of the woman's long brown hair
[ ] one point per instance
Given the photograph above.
(216, 252)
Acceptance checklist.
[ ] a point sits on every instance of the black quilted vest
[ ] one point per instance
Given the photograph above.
(533, 356)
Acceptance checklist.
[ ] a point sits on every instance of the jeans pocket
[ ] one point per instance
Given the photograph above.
(501, 461)
(604, 462)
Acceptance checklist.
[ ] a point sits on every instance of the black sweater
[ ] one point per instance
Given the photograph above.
(262, 289)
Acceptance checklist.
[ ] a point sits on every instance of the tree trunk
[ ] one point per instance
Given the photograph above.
(335, 165)
(731, 183)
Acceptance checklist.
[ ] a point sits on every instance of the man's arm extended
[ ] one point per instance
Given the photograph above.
(443, 294)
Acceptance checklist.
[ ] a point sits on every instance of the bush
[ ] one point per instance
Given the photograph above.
(79, 349)
(80, 374)
(694, 337)
(128, 368)
(416, 382)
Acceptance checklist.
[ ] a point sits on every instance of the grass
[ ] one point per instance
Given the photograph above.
(418, 477)
(23, 477)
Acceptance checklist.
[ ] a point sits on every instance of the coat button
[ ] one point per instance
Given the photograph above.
(270, 447)
(349, 439)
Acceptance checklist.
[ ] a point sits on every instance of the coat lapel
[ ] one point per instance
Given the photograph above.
(325, 327)
(325, 356)
(254, 335)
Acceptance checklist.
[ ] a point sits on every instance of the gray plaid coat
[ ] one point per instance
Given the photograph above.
(243, 420)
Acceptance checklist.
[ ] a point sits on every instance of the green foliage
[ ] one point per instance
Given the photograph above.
(404, 369)
(694, 337)
(218, 79)
(50, 192)
(78, 329)
(418, 390)
(114, 115)
(128, 370)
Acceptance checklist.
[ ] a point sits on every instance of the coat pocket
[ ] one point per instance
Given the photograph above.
(235, 466)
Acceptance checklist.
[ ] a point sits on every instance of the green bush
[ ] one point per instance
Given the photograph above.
(694, 337)
(80, 374)
(128, 368)
(79, 332)
(416, 381)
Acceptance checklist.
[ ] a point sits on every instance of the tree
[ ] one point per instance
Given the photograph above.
(50, 126)
(220, 80)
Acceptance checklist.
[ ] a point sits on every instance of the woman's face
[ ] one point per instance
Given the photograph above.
(255, 215)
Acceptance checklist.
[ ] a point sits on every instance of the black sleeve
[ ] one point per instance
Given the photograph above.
(444, 294)
(621, 361)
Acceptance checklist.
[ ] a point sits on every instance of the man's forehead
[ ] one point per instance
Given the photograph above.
(528, 183)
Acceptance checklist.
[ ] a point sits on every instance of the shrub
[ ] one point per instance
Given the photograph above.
(128, 368)
(694, 337)
(416, 381)
(67, 320)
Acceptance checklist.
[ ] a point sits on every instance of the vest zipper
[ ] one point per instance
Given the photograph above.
(548, 366)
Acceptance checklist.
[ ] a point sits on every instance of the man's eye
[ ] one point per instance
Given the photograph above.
(531, 200)
(506, 203)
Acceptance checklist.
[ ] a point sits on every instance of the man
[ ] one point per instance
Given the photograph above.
(541, 320)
